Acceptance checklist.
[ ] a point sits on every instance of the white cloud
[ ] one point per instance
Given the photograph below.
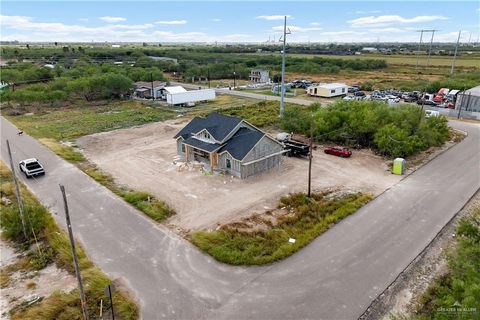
(315, 24)
(172, 22)
(132, 26)
(110, 19)
(277, 17)
(216, 20)
(379, 21)
(296, 29)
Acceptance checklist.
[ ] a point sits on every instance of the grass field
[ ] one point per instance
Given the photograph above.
(462, 60)
(308, 218)
(56, 249)
(79, 120)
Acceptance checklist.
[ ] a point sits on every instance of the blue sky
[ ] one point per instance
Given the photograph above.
(251, 21)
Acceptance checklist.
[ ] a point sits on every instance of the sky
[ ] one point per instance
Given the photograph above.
(235, 21)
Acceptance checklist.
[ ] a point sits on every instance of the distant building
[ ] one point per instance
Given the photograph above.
(328, 90)
(469, 100)
(154, 58)
(177, 95)
(369, 50)
(143, 89)
(259, 76)
(115, 46)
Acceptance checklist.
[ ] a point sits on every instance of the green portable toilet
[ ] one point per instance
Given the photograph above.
(3, 87)
(398, 166)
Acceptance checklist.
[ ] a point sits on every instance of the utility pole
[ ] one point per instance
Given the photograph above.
(430, 48)
(111, 301)
(282, 88)
(21, 210)
(460, 106)
(234, 76)
(74, 254)
(419, 45)
(310, 156)
(151, 81)
(455, 54)
(208, 75)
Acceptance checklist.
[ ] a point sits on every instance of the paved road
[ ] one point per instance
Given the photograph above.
(247, 94)
(335, 277)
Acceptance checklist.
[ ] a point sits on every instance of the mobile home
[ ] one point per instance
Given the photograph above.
(328, 90)
(178, 95)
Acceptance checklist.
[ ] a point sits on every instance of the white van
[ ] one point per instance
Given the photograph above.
(431, 113)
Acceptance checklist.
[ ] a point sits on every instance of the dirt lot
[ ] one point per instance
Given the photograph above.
(24, 286)
(142, 158)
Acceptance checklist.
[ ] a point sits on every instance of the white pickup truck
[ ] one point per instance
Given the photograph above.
(31, 167)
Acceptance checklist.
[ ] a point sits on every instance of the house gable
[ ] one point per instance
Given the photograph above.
(265, 146)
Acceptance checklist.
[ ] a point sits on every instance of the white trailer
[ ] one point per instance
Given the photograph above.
(189, 97)
(328, 90)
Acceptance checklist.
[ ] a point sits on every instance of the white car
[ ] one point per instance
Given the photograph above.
(31, 167)
(349, 98)
(431, 113)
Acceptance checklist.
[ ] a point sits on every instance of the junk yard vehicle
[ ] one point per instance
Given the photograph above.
(294, 148)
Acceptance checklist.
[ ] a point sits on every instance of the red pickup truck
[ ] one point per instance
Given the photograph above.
(338, 151)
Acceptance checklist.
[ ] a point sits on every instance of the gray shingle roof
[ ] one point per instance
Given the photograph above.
(218, 125)
(240, 144)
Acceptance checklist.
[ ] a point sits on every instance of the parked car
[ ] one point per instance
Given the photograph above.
(31, 167)
(338, 151)
(450, 105)
(410, 98)
(353, 89)
(301, 84)
(359, 94)
(348, 97)
(426, 102)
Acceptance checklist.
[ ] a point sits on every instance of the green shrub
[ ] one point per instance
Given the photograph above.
(41, 256)
(461, 284)
(313, 216)
(145, 202)
(393, 131)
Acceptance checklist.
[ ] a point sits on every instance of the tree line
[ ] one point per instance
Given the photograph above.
(391, 131)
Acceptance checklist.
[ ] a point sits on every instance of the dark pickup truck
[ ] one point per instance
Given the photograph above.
(294, 148)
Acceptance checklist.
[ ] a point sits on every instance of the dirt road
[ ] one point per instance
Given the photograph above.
(142, 158)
